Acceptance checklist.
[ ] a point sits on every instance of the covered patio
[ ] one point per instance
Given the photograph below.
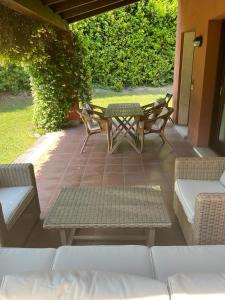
(62, 165)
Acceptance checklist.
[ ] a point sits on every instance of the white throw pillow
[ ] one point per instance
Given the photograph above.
(81, 285)
(222, 178)
(193, 286)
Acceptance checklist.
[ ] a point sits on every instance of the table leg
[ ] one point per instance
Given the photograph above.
(150, 237)
(71, 236)
(62, 233)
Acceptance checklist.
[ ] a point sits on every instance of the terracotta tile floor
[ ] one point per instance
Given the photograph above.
(63, 165)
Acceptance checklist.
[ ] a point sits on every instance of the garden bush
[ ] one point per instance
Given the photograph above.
(13, 79)
(55, 62)
(131, 46)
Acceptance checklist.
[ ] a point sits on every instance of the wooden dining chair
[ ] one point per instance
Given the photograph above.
(94, 123)
(152, 110)
(154, 125)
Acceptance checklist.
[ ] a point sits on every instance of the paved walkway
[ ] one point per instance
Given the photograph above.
(63, 165)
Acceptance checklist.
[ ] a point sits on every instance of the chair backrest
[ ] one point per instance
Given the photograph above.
(168, 98)
(85, 117)
(91, 122)
(158, 123)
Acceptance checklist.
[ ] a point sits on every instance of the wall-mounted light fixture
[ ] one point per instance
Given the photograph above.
(198, 41)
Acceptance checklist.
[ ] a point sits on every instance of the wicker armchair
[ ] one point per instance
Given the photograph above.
(19, 203)
(95, 123)
(155, 124)
(208, 226)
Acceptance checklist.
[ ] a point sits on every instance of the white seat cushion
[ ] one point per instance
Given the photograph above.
(14, 200)
(81, 286)
(169, 260)
(207, 286)
(187, 190)
(135, 260)
(19, 260)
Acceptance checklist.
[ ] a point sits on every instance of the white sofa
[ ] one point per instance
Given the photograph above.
(158, 262)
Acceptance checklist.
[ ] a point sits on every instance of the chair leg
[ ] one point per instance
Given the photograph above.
(84, 143)
(164, 140)
(141, 139)
(171, 120)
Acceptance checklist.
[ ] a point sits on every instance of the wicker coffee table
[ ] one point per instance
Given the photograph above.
(108, 207)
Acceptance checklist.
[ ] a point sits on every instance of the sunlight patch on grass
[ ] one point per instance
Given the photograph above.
(142, 99)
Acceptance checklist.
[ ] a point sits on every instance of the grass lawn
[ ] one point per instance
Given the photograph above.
(16, 129)
(141, 95)
(16, 112)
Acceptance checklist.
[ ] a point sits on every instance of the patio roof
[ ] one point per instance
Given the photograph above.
(62, 12)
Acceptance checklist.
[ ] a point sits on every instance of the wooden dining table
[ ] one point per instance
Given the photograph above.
(125, 118)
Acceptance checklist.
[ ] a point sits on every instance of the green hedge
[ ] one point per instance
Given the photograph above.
(132, 46)
(13, 79)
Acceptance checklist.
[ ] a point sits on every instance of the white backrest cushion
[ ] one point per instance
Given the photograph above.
(83, 285)
(222, 178)
(169, 260)
(20, 260)
(205, 286)
(136, 260)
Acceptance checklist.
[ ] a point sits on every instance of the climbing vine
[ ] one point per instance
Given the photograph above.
(55, 61)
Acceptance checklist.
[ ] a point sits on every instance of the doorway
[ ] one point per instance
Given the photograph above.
(217, 136)
(186, 78)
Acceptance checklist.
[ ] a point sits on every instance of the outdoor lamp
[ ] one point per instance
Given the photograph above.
(198, 41)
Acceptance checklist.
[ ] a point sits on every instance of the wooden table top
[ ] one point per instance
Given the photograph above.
(123, 110)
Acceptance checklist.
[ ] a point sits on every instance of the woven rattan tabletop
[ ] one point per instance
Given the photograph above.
(109, 207)
(123, 110)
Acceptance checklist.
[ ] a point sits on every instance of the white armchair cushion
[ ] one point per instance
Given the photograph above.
(187, 190)
(83, 285)
(194, 286)
(14, 200)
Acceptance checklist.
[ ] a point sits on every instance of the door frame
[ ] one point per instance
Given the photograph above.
(218, 106)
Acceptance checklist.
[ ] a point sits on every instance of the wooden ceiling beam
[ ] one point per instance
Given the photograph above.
(90, 7)
(97, 11)
(51, 2)
(36, 9)
(70, 4)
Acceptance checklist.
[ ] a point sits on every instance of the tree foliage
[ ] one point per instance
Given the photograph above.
(55, 62)
(132, 46)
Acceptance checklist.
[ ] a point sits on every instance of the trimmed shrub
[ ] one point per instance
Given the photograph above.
(13, 79)
(131, 46)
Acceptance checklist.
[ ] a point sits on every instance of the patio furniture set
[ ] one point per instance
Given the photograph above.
(199, 203)
(157, 272)
(126, 121)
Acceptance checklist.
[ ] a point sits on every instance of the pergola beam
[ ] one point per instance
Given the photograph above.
(89, 7)
(51, 2)
(70, 4)
(35, 8)
(97, 11)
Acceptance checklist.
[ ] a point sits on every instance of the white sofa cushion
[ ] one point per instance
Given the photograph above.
(81, 286)
(20, 260)
(14, 200)
(222, 178)
(187, 190)
(207, 286)
(169, 260)
(134, 260)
